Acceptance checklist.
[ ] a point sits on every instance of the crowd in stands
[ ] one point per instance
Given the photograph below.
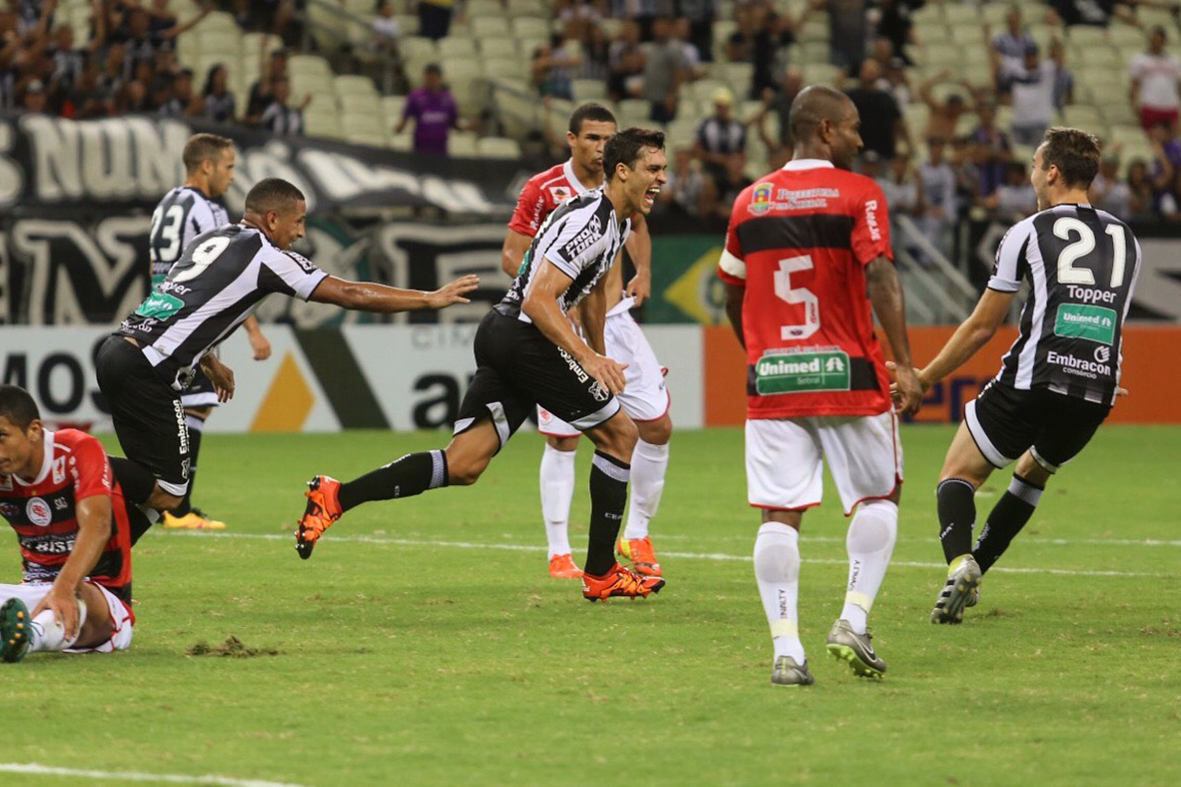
(946, 134)
(128, 64)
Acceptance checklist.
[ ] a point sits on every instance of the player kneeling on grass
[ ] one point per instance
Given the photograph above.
(60, 496)
(1058, 381)
(527, 354)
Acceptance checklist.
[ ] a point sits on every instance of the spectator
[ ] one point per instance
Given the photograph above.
(896, 26)
(1109, 192)
(552, 65)
(693, 62)
(993, 150)
(937, 183)
(762, 39)
(896, 82)
(848, 30)
(1015, 198)
(686, 181)
(944, 116)
(882, 122)
(281, 118)
(1095, 13)
(1142, 197)
(434, 111)
(434, 18)
(721, 141)
(142, 39)
(218, 100)
(596, 55)
(1032, 94)
(664, 72)
(34, 98)
(1063, 78)
(386, 30)
(1012, 43)
(700, 15)
(262, 92)
(899, 186)
(625, 61)
(181, 103)
(1154, 82)
(781, 101)
(83, 98)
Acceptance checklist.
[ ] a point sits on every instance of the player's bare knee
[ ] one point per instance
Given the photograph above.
(98, 627)
(616, 436)
(657, 432)
(564, 444)
(164, 501)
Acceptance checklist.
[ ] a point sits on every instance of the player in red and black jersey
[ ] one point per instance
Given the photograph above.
(804, 247)
(58, 493)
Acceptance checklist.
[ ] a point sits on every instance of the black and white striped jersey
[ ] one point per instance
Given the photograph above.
(582, 237)
(212, 288)
(181, 216)
(1082, 266)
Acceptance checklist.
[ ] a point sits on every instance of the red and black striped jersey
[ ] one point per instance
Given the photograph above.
(799, 241)
(43, 512)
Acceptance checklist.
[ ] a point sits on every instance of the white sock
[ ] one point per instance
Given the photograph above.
(777, 571)
(48, 634)
(870, 543)
(649, 462)
(557, 490)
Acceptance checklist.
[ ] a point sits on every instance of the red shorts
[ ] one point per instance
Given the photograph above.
(1150, 116)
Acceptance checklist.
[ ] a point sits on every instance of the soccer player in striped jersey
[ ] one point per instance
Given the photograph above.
(186, 212)
(58, 493)
(645, 399)
(806, 245)
(528, 354)
(145, 366)
(1058, 381)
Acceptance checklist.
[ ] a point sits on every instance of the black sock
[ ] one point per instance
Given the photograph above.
(138, 519)
(136, 481)
(411, 475)
(957, 516)
(1005, 521)
(608, 490)
(186, 505)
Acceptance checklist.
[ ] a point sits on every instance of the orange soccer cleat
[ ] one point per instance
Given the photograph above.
(639, 552)
(619, 581)
(562, 567)
(322, 510)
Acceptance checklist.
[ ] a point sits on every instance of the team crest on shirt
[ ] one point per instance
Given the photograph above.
(560, 193)
(38, 512)
(760, 198)
(600, 393)
(59, 470)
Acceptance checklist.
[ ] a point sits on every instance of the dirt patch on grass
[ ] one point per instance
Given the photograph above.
(232, 647)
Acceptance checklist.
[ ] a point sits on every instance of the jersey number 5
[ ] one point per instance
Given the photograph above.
(1067, 273)
(795, 296)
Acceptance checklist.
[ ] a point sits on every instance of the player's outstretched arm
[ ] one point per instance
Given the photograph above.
(885, 293)
(94, 528)
(972, 334)
(220, 375)
(368, 296)
(258, 341)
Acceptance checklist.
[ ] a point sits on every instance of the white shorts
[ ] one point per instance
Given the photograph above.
(784, 459)
(32, 593)
(645, 397)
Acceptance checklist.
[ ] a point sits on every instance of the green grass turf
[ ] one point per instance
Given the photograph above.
(409, 659)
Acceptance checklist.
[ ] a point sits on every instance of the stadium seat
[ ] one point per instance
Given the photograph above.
(682, 132)
(530, 27)
(457, 47)
(815, 29)
(633, 112)
(703, 89)
(484, 8)
(391, 109)
(528, 8)
(322, 124)
(588, 90)
(498, 148)
(403, 142)
(352, 103)
(505, 67)
(353, 84)
(484, 26)
(366, 138)
(961, 14)
(462, 144)
(820, 74)
(500, 47)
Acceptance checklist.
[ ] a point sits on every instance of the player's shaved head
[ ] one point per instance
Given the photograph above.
(18, 407)
(273, 195)
(813, 106)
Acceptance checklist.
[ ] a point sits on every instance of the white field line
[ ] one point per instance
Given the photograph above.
(720, 556)
(35, 769)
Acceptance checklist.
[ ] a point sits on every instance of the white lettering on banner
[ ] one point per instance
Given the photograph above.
(12, 178)
(112, 158)
(270, 161)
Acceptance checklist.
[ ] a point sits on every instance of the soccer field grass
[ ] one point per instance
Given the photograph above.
(424, 643)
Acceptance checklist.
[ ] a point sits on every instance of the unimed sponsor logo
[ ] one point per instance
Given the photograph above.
(781, 373)
(1093, 323)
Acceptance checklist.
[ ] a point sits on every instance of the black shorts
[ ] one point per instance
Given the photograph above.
(1005, 422)
(148, 416)
(200, 392)
(517, 369)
